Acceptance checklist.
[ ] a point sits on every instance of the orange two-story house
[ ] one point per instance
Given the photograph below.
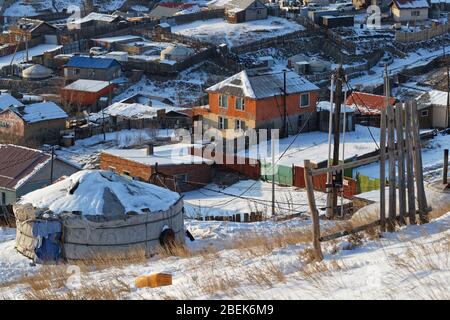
(254, 99)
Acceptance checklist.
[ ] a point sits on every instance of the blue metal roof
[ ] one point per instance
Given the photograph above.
(91, 63)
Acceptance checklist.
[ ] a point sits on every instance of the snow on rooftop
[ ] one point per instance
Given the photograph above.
(172, 154)
(436, 97)
(325, 106)
(128, 110)
(87, 85)
(7, 100)
(262, 84)
(42, 111)
(21, 55)
(84, 191)
(118, 38)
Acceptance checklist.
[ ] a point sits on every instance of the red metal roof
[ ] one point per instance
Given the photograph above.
(18, 163)
(368, 103)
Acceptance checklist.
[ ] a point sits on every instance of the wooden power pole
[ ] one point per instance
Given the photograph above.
(392, 177)
(336, 132)
(401, 162)
(383, 153)
(314, 213)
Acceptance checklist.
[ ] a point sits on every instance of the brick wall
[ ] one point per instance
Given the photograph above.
(197, 174)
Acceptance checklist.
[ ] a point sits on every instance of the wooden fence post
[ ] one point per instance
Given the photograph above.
(409, 166)
(418, 169)
(392, 178)
(445, 173)
(383, 170)
(313, 211)
(401, 162)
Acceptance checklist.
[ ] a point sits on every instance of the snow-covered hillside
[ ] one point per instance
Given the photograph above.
(263, 260)
(22, 8)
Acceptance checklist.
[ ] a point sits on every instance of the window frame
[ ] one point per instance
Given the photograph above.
(242, 103)
(424, 113)
(241, 124)
(309, 100)
(222, 123)
(221, 97)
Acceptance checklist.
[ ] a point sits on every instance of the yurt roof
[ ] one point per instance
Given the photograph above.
(98, 192)
(37, 71)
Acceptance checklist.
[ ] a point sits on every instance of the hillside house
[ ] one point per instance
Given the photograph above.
(347, 113)
(168, 9)
(23, 170)
(82, 67)
(177, 53)
(409, 10)
(30, 29)
(175, 167)
(95, 19)
(32, 125)
(238, 11)
(433, 110)
(368, 107)
(254, 99)
(85, 94)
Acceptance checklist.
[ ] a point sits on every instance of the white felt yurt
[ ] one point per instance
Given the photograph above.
(96, 212)
(37, 72)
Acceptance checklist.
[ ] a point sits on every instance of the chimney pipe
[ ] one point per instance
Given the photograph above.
(150, 149)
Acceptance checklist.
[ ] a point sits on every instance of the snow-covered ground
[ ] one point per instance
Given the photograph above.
(31, 8)
(254, 261)
(248, 196)
(219, 31)
(417, 58)
(314, 147)
(85, 152)
(21, 55)
(432, 158)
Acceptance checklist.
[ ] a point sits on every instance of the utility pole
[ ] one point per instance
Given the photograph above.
(337, 131)
(273, 177)
(447, 111)
(330, 174)
(285, 130)
(51, 165)
(383, 153)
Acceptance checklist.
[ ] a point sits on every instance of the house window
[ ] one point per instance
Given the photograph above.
(424, 113)
(240, 103)
(239, 125)
(304, 100)
(223, 123)
(415, 13)
(92, 72)
(76, 71)
(258, 11)
(126, 174)
(223, 101)
(3, 198)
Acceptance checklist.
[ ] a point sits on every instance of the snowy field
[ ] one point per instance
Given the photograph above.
(314, 146)
(219, 31)
(21, 55)
(85, 152)
(255, 261)
(417, 58)
(432, 158)
(248, 196)
(24, 8)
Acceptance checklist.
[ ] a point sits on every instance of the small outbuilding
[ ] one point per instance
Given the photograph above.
(94, 213)
(176, 53)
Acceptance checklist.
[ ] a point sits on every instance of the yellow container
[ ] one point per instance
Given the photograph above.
(153, 280)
